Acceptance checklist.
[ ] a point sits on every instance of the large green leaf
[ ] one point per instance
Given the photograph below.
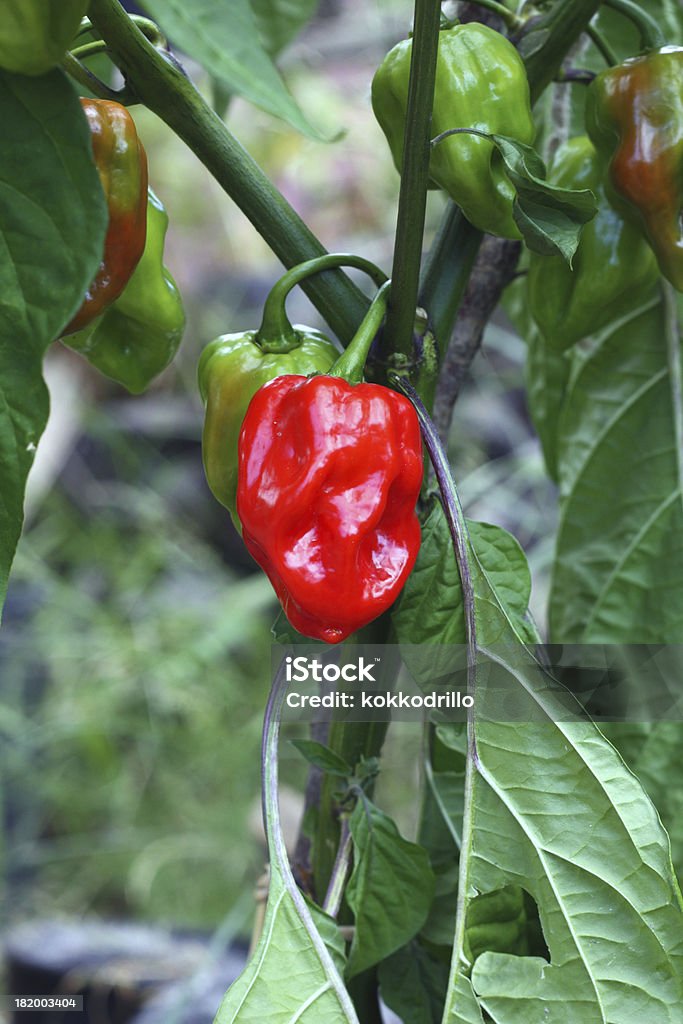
(654, 752)
(618, 574)
(279, 21)
(551, 808)
(390, 890)
(288, 979)
(224, 38)
(52, 224)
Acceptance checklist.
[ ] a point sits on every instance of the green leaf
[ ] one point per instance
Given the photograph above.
(328, 929)
(430, 608)
(547, 377)
(323, 758)
(52, 224)
(279, 21)
(287, 979)
(549, 217)
(618, 573)
(413, 985)
(654, 752)
(390, 889)
(551, 809)
(224, 39)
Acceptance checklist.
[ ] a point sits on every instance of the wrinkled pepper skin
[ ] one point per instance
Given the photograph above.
(35, 34)
(329, 476)
(613, 270)
(231, 370)
(634, 115)
(139, 334)
(122, 166)
(480, 83)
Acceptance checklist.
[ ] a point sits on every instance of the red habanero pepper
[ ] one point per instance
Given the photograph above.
(122, 165)
(329, 475)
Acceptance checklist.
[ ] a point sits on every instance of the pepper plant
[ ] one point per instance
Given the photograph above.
(541, 885)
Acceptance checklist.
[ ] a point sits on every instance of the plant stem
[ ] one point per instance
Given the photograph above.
(602, 46)
(351, 362)
(493, 270)
(507, 16)
(276, 333)
(162, 86)
(547, 40)
(454, 516)
(85, 77)
(335, 890)
(651, 34)
(398, 336)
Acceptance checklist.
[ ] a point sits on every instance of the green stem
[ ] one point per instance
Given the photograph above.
(335, 890)
(459, 131)
(90, 81)
(508, 17)
(148, 27)
(549, 38)
(89, 49)
(651, 34)
(162, 86)
(602, 46)
(412, 201)
(276, 333)
(351, 363)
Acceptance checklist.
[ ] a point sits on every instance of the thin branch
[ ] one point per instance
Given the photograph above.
(493, 270)
(335, 890)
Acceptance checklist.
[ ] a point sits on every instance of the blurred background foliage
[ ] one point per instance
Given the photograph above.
(135, 649)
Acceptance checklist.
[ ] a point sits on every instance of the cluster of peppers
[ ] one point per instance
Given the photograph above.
(632, 160)
(320, 471)
(131, 321)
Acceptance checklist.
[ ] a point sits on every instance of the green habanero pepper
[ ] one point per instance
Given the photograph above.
(481, 83)
(139, 334)
(233, 367)
(613, 270)
(35, 34)
(634, 115)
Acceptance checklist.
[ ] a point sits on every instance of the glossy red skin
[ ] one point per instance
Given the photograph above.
(122, 165)
(634, 115)
(328, 480)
